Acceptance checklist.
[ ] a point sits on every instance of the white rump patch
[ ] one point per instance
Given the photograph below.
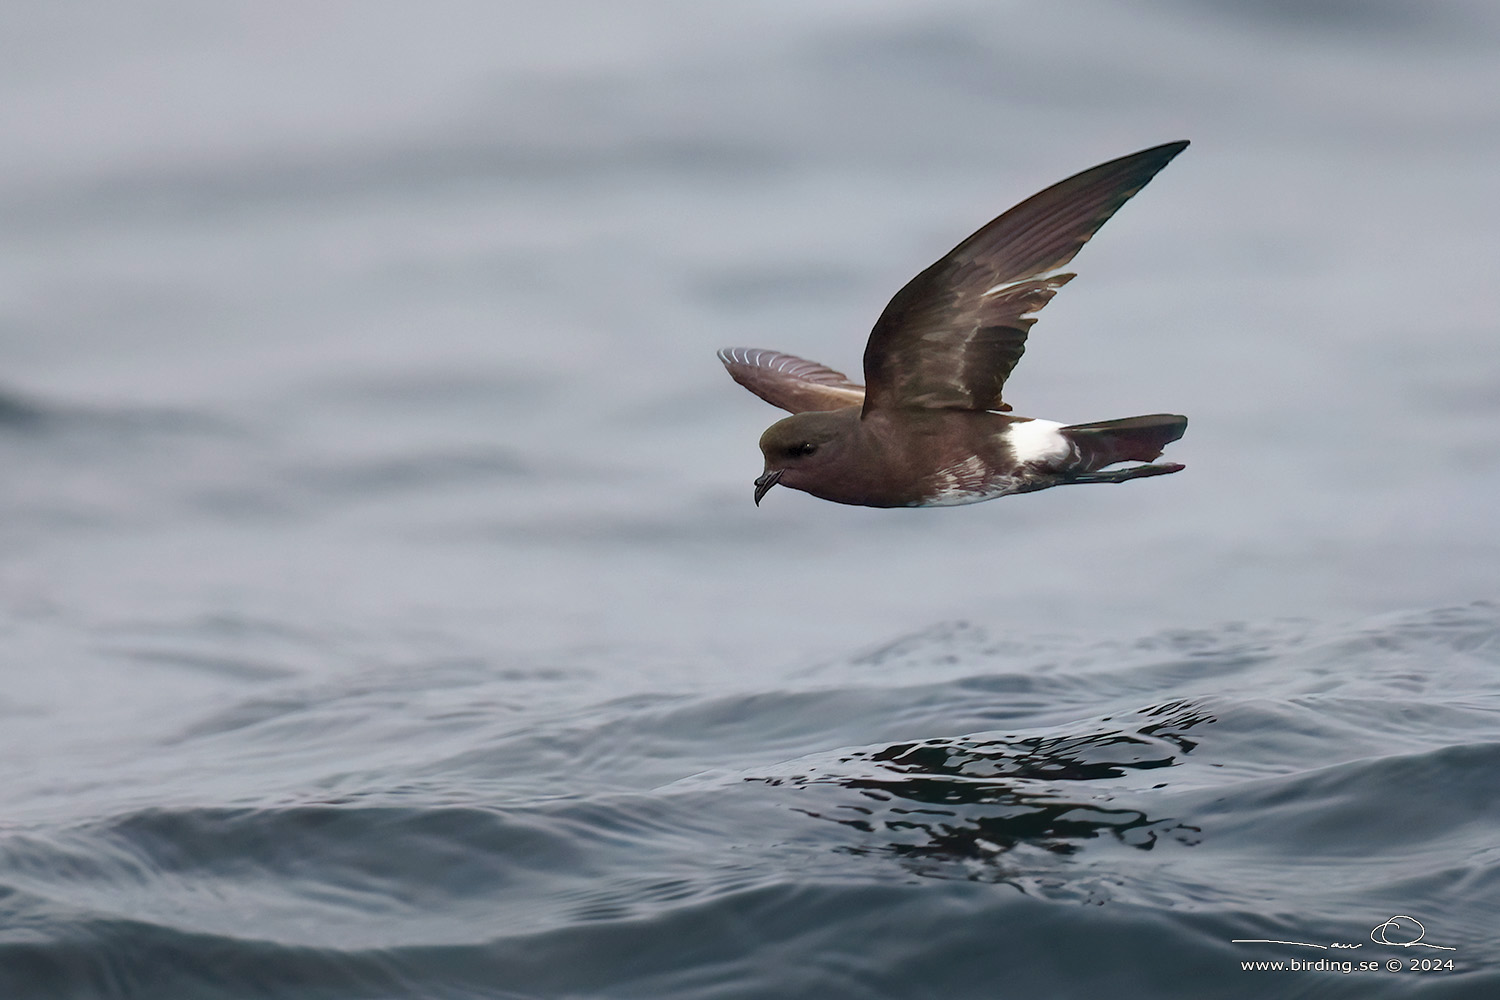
(1038, 441)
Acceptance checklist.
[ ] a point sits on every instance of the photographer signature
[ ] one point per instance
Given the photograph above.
(1400, 931)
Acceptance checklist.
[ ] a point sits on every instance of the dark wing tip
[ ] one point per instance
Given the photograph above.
(1150, 161)
(1141, 166)
(1153, 157)
(1170, 149)
(1046, 230)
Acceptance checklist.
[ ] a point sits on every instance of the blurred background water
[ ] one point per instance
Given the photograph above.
(384, 611)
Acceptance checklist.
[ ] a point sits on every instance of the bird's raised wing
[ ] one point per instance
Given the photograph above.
(950, 338)
(791, 383)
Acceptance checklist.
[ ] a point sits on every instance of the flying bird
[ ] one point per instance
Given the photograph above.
(929, 427)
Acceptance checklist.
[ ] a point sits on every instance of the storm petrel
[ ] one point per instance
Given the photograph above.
(928, 428)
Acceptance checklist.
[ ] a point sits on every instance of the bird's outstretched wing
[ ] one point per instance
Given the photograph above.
(950, 338)
(791, 383)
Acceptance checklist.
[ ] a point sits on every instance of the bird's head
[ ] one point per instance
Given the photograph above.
(802, 447)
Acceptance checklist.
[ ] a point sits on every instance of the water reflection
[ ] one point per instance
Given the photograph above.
(961, 807)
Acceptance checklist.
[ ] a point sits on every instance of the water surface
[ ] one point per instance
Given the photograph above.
(384, 611)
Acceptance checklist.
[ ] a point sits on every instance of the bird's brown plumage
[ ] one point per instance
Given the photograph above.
(946, 343)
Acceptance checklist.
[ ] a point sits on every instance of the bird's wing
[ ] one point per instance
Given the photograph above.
(791, 383)
(950, 338)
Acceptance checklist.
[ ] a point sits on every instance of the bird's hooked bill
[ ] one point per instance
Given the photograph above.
(768, 479)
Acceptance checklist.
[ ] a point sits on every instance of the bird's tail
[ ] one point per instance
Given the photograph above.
(1130, 439)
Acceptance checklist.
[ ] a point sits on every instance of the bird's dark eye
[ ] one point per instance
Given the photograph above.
(799, 450)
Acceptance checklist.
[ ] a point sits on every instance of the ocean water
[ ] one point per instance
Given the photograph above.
(384, 612)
